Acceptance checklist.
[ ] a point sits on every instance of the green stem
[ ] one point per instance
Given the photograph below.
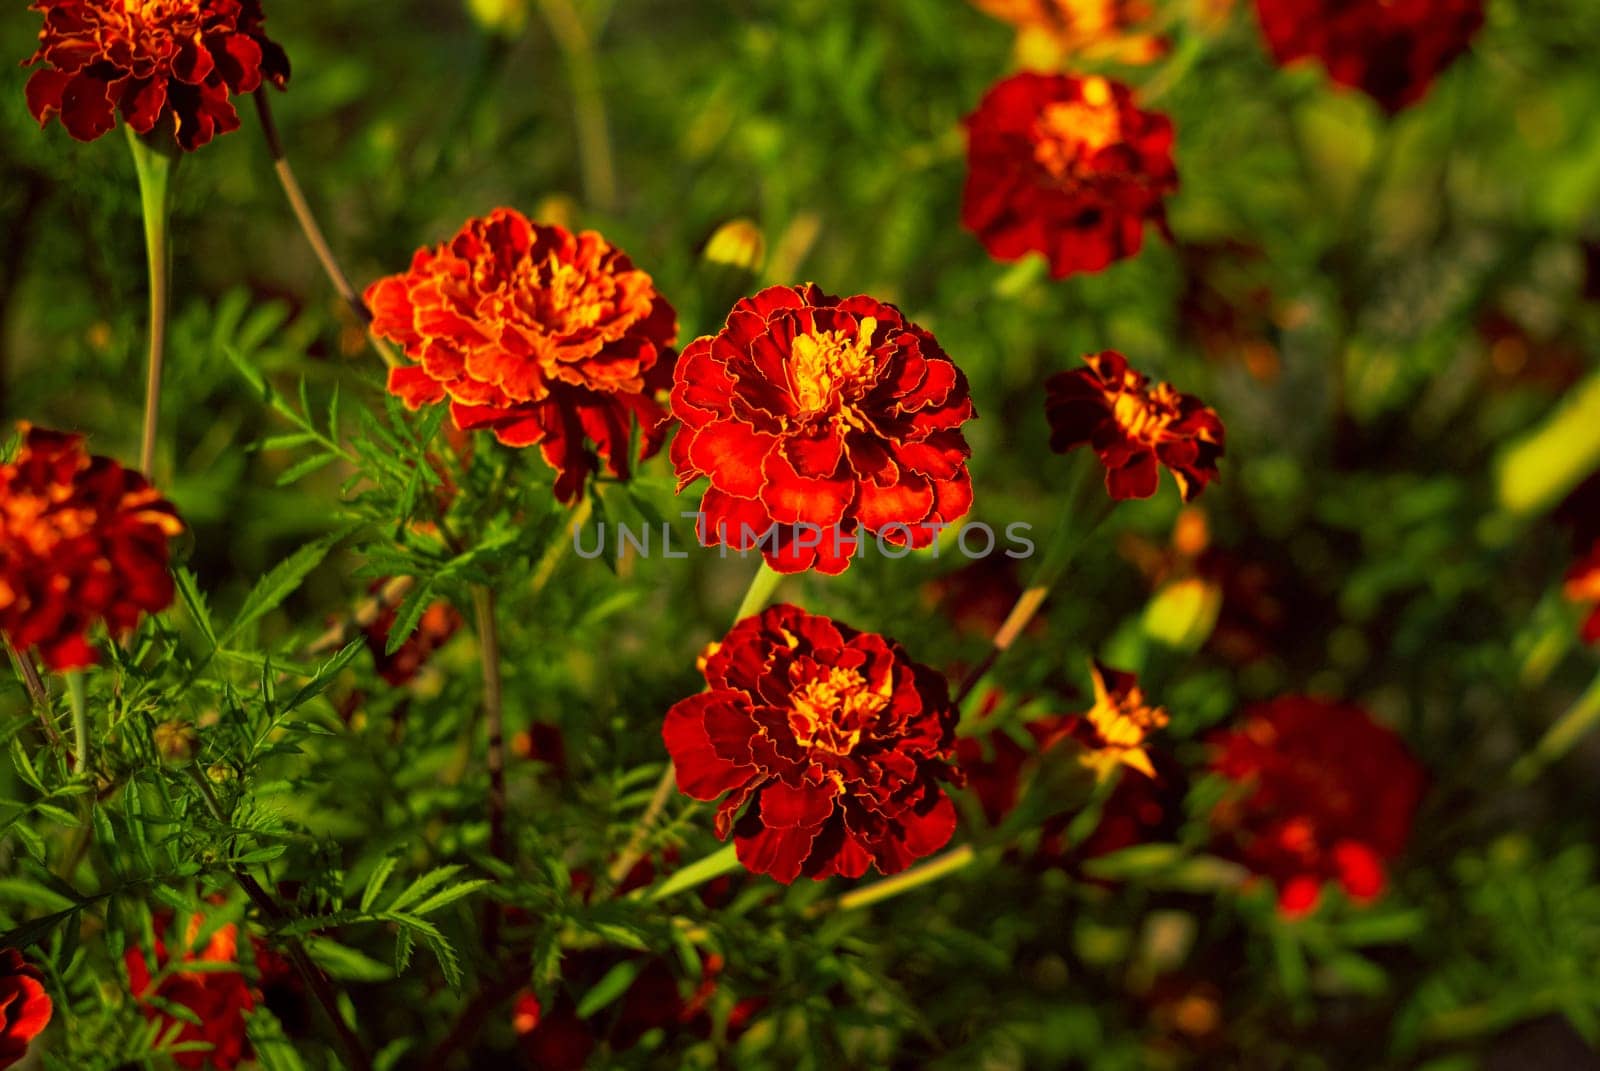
(1088, 504)
(36, 691)
(78, 697)
(588, 101)
(762, 585)
(155, 157)
(1571, 727)
(494, 727)
(934, 869)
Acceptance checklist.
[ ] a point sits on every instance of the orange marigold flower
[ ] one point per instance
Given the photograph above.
(1133, 427)
(1114, 729)
(1068, 167)
(1327, 794)
(82, 540)
(817, 419)
(1583, 586)
(219, 999)
(1109, 27)
(1392, 50)
(835, 739)
(149, 59)
(25, 1007)
(540, 335)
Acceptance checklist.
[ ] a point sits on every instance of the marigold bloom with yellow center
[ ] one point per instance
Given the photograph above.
(1116, 29)
(819, 418)
(1134, 427)
(1392, 50)
(150, 60)
(1067, 167)
(544, 337)
(827, 745)
(1113, 731)
(82, 540)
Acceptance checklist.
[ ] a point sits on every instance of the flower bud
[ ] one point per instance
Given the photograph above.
(734, 256)
(176, 741)
(220, 773)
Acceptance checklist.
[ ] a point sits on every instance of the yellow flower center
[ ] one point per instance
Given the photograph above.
(831, 713)
(1121, 723)
(827, 368)
(1144, 414)
(1070, 132)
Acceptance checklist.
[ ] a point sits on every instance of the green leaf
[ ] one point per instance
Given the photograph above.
(280, 582)
(407, 614)
(345, 963)
(449, 896)
(377, 880)
(305, 467)
(612, 986)
(424, 885)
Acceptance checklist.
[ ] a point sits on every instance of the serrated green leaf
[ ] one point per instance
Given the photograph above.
(376, 881)
(609, 988)
(423, 886)
(279, 583)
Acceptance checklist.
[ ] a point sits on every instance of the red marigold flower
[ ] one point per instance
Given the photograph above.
(1068, 167)
(1327, 795)
(817, 419)
(219, 999)
(438, 623)
(1583, 586)
(82, 539)
(149, 59)
(25, 1007)
(1113, 28)
(539, 335)
(1134, 427)
(1389, 49)
(835, 739)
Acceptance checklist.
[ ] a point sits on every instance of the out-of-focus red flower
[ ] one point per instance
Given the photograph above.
(542, 742)
(977, 597)
(553, 1040)
(1521, 357)
(1068, 167)
(150, 59)
(1113, 731)
(541, 336)
(438, 623)
(219, 999)
(1115, 29)
(1583, 586)
(835, 739)
(1226, 306)
(25, 1007)
(1134, 427)
(819, 418)
(1326, 794)
(82, 540)
(1389, 49)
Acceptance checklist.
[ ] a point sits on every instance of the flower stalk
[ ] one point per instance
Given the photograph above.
(756, 596)
(77, 696)
(313, 232)
(154, 159)
(37, 692)
(494, 729)
(1561, 737)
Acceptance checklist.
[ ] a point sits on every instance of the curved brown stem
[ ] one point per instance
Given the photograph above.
(494, 727)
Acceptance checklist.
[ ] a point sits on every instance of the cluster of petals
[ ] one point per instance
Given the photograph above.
(1116, 29)
(832, 743)
(544, 337)
(1113, 731)
(150, 59)
(217, 995)
(1066, 166)
(25, 1007)
(82, 540)
(1392, 50)
(1134, 427)
(1325, 794)
(819, 419)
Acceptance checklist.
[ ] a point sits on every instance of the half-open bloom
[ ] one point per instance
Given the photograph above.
(150, 59)
(1325, 794)
(25, 1007)
(832, 742)
(819, 418)
(1392, 50)
(82, 540)
(1113, 731)
(544, 337)
(219, 999)
(1068, 167)
(1134, 427)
